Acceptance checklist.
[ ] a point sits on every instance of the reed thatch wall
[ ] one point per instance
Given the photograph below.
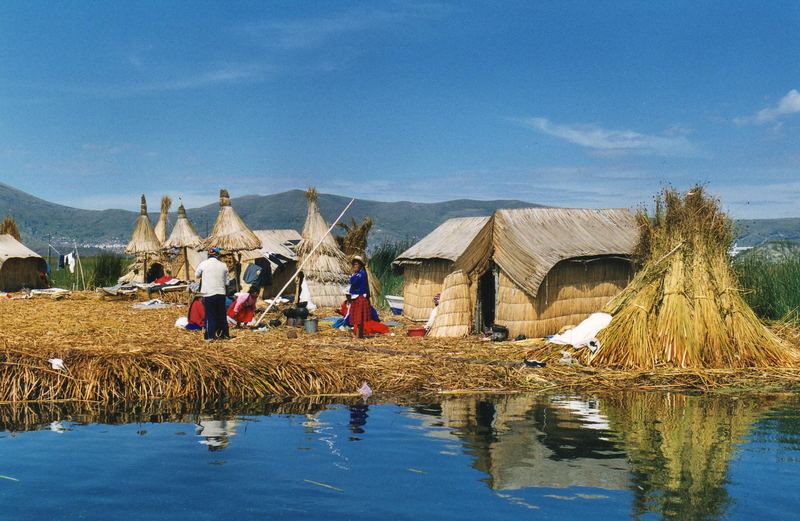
(454, 318)
(421, 282)
(16, 274)
(567, 295)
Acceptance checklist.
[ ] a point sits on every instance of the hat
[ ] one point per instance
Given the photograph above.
(437, 298)
(213, 252)
(359, 259)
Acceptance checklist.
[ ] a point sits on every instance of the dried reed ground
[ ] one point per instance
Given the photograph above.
(113, 352)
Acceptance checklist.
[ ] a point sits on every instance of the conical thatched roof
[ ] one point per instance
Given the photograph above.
(183, 233)
(143, 239)
(161, 224)
(326, 271)
(230, 232)
(684, 308)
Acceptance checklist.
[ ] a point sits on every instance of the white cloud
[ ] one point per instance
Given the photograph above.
(610, 141)
(789, 104)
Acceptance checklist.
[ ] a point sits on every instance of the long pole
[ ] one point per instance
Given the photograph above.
(300, 268)
(186, 263)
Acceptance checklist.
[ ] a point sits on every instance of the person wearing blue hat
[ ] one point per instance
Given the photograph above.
(213, 275)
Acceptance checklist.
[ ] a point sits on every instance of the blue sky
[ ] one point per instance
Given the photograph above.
(561, 103)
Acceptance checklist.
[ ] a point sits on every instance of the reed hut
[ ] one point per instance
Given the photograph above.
(161, 224)
(326, 270)
(457, 244)
(684, 308)
(186, 241)
(144, 245)
(230, 233)
(454, 318)
(556, 266)
(281, 242)
(20, 267)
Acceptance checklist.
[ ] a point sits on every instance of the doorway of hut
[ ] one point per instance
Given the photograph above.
(487, 297)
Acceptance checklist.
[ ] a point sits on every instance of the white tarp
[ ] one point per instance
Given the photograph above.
(585, 333)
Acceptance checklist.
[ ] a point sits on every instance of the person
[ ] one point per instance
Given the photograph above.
(243, 308)
(434, 312)
(213, 275)
(359, 297)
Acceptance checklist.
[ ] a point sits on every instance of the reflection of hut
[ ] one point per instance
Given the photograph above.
(524, 441)
(216, 434)
(458, 244)
(325, 270)
(281, 243)
(19, 266)
(679, 448)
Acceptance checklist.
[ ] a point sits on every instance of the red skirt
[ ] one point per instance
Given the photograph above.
(360, 313)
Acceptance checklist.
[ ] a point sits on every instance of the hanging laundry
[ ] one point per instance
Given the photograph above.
(61, 262)
(69, 259)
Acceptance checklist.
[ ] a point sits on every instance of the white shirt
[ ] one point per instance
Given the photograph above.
(305, 296)
(432, 318)
(213, 275)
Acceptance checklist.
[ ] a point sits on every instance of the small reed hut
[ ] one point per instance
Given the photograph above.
(230, 233)
(161, 224)
(326, 271)
(684, 308)
(460, 244)
(144, 245)
(20, 267)
(186, 241)
(281, 242)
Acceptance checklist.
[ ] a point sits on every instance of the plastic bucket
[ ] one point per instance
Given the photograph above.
(312, 324)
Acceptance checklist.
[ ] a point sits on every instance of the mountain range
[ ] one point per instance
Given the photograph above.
(40, 220)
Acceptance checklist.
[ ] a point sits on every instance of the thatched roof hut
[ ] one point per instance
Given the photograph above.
(454, 318)
(281, 242)
(161, 224)
(457, 244)
(532, 270)
(326, 270)
(20, 267)
(555, 266)
(230, 233)
(143, 240)
(185, 239)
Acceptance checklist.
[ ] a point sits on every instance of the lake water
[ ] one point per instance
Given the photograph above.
(645, 456)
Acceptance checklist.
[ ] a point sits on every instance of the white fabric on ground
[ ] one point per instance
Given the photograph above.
(305, 296)
(583, 333)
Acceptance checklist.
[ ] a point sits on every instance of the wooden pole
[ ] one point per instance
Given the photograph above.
(300, 268)
(186, 263)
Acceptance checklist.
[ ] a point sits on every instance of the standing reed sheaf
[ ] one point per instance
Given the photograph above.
(684, 307)
(355, 242)
(9, 227)
(161, 224)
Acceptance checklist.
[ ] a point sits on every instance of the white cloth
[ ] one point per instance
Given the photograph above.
(432, 318)
(214, 277)
(69, 259)
(585, 332)
(305, 296)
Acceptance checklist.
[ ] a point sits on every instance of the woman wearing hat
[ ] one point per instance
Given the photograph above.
(359, 297)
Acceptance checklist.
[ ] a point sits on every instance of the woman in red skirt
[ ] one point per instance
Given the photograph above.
(359, 298)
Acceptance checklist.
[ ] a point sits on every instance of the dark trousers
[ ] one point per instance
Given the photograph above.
(216, 319)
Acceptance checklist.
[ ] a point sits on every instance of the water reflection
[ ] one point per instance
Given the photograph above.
(668, 454)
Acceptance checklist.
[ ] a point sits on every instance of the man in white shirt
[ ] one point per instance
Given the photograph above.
(213, 276)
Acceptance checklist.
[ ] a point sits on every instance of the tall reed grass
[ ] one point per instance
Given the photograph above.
(380, 263)
(771, 287)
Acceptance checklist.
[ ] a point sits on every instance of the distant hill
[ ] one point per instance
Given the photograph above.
(39, 219)
(773, 251)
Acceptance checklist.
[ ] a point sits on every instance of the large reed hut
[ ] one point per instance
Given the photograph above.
(532, 270)
(555, 266)
(185, 240)
(280, 242)
(20, 267)
(326, 269)
(231, 234)
(457, 244)
(145, 246)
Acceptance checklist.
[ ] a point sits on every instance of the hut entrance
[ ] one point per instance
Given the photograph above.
(154, 271)
(487, 293)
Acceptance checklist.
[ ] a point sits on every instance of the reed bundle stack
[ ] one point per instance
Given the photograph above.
(9, 227)
(326, 270)
(684, 307)
(354, 242)
(454, 317)
(161, 224)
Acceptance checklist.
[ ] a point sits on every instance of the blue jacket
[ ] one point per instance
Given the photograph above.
(359, 285)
